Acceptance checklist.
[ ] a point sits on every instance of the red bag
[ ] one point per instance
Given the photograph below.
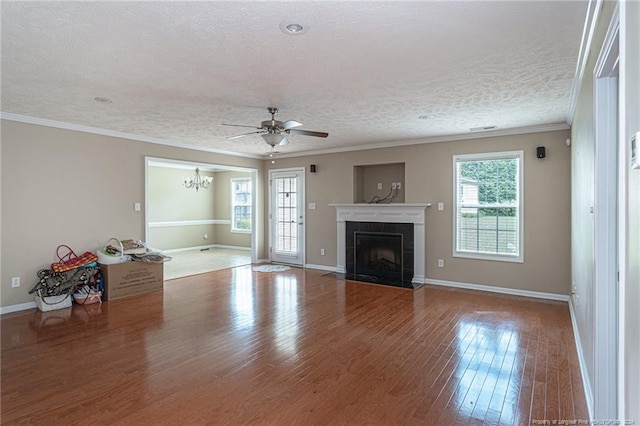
(70, 260)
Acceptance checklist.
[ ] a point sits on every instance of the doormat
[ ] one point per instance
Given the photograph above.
(270, 268)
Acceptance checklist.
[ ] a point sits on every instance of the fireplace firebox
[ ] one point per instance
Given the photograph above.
(380, 252)
(378, 256)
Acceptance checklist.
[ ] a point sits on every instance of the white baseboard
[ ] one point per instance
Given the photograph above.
(501, 290)
(321, 267)
(17, 308)
(586, 384)
(209, 246)
(222, 246)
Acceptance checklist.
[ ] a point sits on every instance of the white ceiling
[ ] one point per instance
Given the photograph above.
(364, 71)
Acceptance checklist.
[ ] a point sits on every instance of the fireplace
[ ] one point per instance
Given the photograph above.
(380, 252)
(378, 256)
(396, 218)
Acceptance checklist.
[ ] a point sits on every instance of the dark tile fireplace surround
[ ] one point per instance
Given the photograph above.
(380, 252)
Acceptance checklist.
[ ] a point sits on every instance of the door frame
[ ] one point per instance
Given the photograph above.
(303, 230)
(609, 230)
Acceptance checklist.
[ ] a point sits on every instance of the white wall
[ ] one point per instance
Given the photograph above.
(630, 87)
(583, 158)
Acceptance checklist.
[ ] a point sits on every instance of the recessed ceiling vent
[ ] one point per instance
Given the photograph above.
(482, 129)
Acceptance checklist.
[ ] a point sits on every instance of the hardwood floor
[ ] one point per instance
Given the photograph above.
(296, 347)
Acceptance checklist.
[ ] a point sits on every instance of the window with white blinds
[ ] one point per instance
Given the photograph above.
(488, 206)
(241, 205)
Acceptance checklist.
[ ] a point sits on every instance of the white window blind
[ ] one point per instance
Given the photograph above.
(241, 205)
(488, 205)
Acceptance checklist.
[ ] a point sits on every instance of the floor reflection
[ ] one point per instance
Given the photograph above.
(286, 320)
(243, 299)
(487, 360)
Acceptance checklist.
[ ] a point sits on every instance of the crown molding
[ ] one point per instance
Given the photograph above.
(588, 30)
(434, 139)
(390, 144)
(116, 134)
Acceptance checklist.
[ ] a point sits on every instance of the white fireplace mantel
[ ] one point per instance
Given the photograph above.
(391, 213)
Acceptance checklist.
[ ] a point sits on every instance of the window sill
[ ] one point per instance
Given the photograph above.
(495, 258)
(241, 231)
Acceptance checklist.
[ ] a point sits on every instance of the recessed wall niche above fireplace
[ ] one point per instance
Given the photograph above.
(398, 249)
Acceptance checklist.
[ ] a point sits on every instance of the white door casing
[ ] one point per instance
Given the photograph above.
(287, 216)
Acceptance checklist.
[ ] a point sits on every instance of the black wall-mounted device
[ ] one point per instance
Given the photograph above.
(540, 152)
(312, 168)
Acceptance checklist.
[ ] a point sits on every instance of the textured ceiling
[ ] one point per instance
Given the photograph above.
(364, 71)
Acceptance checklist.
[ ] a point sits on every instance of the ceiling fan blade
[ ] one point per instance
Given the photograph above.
(240, 125)
(307, 133)
(289, 124)
(243, 135)
(284, 142)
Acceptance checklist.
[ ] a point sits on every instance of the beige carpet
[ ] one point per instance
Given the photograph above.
(194, 262)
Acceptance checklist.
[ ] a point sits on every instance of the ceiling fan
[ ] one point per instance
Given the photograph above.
(275, 132)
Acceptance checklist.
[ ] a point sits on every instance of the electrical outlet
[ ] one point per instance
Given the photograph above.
(440, 263)
(379, 185)
(205, 236)
(398, 185)
(321, 252)
(15, 282)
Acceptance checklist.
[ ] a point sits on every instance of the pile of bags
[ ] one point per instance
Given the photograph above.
(73, 276)
(78, 278)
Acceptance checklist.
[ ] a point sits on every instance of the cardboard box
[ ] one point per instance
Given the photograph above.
(131, 278)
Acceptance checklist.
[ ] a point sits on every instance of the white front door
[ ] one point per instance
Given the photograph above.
(286, 216)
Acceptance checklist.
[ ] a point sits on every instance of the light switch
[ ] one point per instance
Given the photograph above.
(312, 206)
(136, 207)
(440, 206)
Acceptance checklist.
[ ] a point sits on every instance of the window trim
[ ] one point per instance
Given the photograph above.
(232, 182)
(520, 203)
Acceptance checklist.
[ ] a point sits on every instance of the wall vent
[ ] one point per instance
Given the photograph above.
(482, 129)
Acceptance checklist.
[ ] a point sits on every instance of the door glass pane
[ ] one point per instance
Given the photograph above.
(286, 215)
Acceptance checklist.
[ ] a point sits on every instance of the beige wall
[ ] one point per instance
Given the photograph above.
(181, 237)
(168, 201)
(428, 178)
(62, 186)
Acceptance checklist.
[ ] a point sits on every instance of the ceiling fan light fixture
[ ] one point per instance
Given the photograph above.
(293, 27)
(273, 139)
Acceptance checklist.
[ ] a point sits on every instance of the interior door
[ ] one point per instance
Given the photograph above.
(286, 214)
